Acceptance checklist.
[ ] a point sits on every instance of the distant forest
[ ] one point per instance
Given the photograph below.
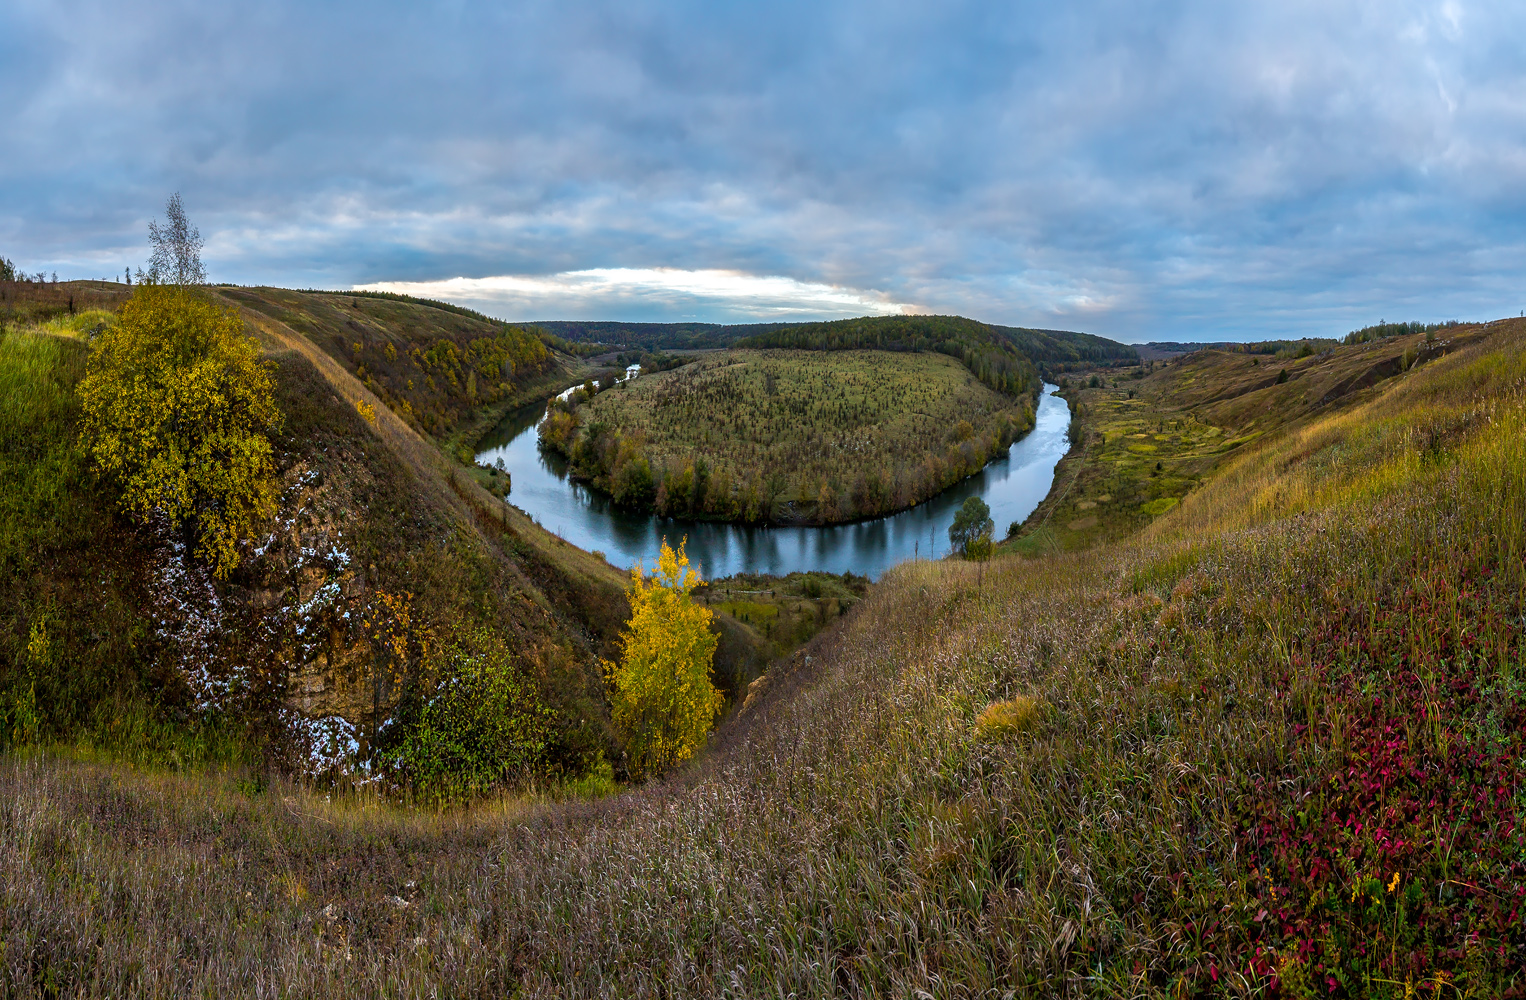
(1049, 349)
(1010, 360)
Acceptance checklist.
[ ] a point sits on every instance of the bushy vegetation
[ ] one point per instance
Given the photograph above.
(476, 724)
(787, 435)
(178, 409)
(970, 533)
(785, 611)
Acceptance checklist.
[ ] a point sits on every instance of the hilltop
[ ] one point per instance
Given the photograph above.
(1053, 350)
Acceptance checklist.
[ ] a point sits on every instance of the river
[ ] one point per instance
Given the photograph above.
(1012, 485)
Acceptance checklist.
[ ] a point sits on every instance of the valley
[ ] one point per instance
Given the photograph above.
(1192, 731)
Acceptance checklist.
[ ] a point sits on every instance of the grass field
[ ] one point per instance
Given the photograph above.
(790, 436)
(1269, 746)
(786, 611)
(1148, 436)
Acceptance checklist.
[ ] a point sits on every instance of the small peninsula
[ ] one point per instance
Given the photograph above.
(787, 436)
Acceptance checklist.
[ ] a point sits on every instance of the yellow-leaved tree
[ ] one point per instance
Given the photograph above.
(177, 408)
(664, 702)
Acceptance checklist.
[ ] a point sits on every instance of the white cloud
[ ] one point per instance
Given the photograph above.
(660, 293)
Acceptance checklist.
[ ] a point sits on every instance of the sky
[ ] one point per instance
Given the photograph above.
(1141, 170)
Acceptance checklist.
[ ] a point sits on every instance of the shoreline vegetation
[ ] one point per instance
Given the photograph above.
(790, 436)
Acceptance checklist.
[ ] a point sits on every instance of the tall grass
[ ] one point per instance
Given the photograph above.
(41, 463)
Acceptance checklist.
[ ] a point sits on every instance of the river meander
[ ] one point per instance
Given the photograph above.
(1012, 485)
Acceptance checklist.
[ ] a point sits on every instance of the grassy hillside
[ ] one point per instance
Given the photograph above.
(1269, 746)
(1149, 435)
(788, 436)
(447, 371)
(99, 615)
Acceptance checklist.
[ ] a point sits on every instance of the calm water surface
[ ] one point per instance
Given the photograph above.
(1012, 486)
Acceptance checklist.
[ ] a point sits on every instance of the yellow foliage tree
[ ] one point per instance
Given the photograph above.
(664, 702)
(177, 408)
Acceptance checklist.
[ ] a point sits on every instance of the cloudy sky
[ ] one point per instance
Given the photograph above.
(1143, 170)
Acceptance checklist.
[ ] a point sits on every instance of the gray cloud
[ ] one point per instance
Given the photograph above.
(1147, 170)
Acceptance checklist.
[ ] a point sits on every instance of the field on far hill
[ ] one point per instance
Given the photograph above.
(1148, 436)
(789, 436)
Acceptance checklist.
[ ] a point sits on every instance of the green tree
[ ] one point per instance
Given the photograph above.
(177, 409)
(664, 702)
(972, 528)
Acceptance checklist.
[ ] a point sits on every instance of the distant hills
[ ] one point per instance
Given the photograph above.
(1046, 348)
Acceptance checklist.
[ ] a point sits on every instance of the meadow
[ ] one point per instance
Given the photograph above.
(789, 436)
(1269, 745)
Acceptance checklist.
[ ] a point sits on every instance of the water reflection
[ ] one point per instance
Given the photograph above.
(1013, 486)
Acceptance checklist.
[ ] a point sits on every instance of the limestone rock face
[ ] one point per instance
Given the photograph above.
(288, 628)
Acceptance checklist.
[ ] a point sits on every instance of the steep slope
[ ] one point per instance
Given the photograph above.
(382, 551)
(447, 371)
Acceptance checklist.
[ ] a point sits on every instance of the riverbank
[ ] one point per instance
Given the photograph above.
(1013, 485)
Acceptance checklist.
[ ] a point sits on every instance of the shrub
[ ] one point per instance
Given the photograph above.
(177, 408)
(1002, 720)
(482, 725)
(664, 702)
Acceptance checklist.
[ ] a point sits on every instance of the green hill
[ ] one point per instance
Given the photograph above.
(787, 436)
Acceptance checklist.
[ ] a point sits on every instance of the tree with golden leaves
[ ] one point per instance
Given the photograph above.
(664, 703)
(178, 409)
